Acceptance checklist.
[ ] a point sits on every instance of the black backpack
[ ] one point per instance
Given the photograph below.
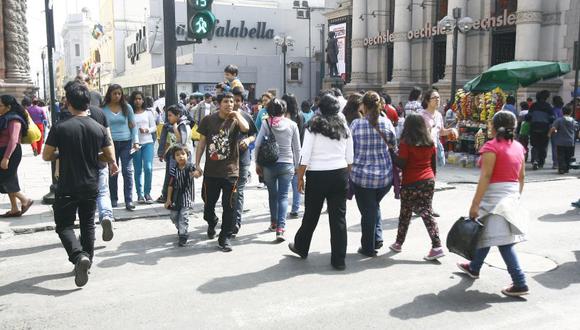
(269, 149)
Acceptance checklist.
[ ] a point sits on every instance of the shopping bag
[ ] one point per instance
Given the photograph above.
(33, 134)
(463, 236)
(195, 136)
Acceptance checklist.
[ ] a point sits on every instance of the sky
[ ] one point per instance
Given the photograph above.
(36, 23)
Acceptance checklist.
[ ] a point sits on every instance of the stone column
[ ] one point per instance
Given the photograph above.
(528, 27)
(359, 52)
(401, 44)
(460, 44)
(2, 64)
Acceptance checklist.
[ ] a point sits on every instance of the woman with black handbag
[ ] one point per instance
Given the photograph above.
(326, 156)
(497, 202)
(278, 154)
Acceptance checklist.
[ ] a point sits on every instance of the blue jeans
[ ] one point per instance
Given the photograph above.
(143, 162)
(295, 195)
(242, 180)
(104, 198)
(509, 257)
(368, 201)
(180, 219)
(123, 152)
(277, 177)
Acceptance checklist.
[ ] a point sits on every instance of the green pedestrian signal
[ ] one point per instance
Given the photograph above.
(200, 20)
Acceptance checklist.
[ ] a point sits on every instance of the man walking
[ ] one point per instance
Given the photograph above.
(219, 140)
(79, 141)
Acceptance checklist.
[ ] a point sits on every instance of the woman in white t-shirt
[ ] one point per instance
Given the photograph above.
(143, 157)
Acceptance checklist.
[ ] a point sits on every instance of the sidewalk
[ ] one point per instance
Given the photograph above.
(34, 174)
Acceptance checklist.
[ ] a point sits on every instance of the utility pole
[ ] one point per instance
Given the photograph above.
(170, 52)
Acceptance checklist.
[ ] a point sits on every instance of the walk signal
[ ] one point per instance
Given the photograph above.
(200, 20)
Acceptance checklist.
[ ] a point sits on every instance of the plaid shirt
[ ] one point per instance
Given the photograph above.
(372, 166)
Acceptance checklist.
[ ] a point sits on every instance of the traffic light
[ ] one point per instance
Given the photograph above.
(200, 20)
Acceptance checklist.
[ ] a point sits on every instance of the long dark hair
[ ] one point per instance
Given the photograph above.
(415, 132)
(122, 102)
(276, 108)
(373, 105)
(16, 108)
(350, 110)
(427, 98)
(132, 100)
(292, 109)
(329, 123)
(504, 124)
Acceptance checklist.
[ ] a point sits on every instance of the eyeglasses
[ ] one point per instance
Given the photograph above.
(435, 98)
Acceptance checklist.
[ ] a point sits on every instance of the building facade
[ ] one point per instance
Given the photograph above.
(75, 43)
(395, 45)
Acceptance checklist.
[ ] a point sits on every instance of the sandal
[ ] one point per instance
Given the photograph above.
(11, 215)
(26, 207)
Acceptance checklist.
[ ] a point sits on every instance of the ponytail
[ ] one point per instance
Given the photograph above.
(504, 123)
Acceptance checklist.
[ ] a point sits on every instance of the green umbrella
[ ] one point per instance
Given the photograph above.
(511, 75)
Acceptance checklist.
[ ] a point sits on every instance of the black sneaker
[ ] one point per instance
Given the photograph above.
(140, 200)
(149, 199)
(82, 271)
(535, 166)
(338, 267)
(130, 206)
(293, 215)
(225, 245)
(378, 245)
(114, 204)
(211, 228)
(513, 291)
(576, 204)
(367, 254)
(293, 249)
(182, 241)
(161, 200)
(107, 225)
(236, 230)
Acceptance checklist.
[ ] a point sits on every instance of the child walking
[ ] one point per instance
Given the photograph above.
(417, 159)
(563, 136)
(180, 192)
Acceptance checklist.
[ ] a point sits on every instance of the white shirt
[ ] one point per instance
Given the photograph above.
(320, 153)
(145, 120)
(158, 105)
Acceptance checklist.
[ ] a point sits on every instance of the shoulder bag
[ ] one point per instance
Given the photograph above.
(269, 150)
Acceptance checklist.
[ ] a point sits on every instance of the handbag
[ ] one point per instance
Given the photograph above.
(195, 136)
(269, 149)
(396, 171)
(463, 236)
(440, 154)
(33, 134)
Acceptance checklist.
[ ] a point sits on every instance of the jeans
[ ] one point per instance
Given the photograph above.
(104, 198)
(509, 257)
(143, 162)
(169, 164)
(180, 219)
(277, 177)
(123, 152)
(65, 210)
(539, 142)
(368, 201)
(212, 188)
(565, 155)
(332, 187)
(295, 195)
(244, 173)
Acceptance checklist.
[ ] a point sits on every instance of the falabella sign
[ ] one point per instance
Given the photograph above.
(259, 31)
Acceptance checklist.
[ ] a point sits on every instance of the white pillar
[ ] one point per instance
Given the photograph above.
(401, 44)
(528, 28)
(460, 43)
(359, 52)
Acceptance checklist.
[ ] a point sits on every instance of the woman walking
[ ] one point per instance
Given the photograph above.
(326, 156)
(372, 169)
(143, 158)
(278, 176)
(39, 118)
(125, 139)
(497, 202)
(416, 158)
(13, 125)
(353, 108)
(295, 114)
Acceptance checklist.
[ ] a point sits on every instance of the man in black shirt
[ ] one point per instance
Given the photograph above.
(79, 141)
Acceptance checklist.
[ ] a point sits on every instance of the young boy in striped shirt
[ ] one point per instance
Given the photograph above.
(180, 193)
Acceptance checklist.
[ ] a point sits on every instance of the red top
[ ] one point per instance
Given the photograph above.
(10, 137)
(391, 114)
(418, 162)
(508, 162)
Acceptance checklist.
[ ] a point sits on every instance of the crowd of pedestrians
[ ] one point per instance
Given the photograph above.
(334, 149)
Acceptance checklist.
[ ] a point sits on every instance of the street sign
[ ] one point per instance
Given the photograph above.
(200, 20)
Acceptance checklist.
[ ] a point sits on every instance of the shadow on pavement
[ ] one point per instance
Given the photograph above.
(388, 224)
(28, 250)
(569, 216)
(291, 266)
(455, 299)
(563, 276)
(30, 286)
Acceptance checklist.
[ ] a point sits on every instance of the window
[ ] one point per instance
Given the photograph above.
(77, 50)
(295, 72)
(439, 44)
(503, 40)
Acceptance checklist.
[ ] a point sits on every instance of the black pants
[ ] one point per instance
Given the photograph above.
(565, 155)
(539, 142)
(332, 187)
(212, 187)
(65, 211)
